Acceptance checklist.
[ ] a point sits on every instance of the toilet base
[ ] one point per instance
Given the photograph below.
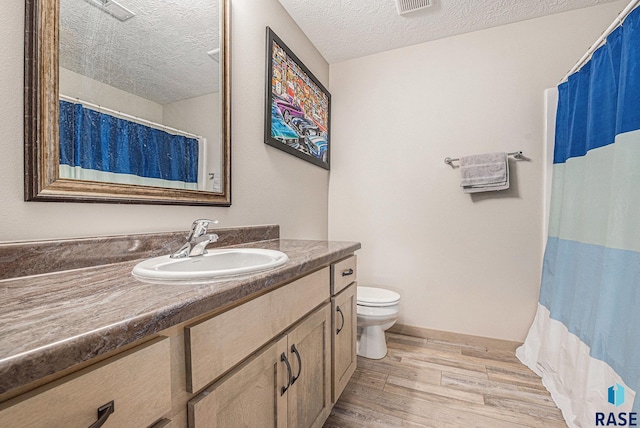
(372, 342)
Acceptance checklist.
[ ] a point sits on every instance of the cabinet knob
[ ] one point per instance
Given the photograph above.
(104, 412)
(342, 316)
(295, 351)
(285, 360)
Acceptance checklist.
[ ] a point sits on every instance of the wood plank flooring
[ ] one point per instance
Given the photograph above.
(445, 380)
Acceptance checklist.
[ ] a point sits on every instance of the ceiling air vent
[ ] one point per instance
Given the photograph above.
(113, 8)
(408, 6)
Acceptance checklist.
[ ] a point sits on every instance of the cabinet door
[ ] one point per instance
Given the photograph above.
(344, 336)
(251, 396)
(309, 401)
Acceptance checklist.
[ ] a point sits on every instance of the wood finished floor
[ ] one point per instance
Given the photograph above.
(445, 381)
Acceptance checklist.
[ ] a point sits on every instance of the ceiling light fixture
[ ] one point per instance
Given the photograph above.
(408, 6)
(113, 8)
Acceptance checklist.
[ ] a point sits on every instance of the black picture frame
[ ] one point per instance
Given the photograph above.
(297, 106)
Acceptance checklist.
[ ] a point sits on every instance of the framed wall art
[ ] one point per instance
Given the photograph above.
(298, 106)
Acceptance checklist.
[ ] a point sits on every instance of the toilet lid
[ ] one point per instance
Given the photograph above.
(371, 296)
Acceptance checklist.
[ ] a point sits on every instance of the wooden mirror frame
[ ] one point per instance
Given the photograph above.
(41, 124)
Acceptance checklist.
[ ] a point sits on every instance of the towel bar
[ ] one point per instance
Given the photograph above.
(517, 155)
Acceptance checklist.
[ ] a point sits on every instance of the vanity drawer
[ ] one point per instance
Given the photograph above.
(138, 382)
(343, 273)
(219, 343)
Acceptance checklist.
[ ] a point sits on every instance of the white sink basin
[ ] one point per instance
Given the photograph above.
(215, 264)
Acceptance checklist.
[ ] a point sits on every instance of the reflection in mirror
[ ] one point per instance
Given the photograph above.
(142, 102)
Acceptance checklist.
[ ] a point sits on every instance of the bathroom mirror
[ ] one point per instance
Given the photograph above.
(127, 101)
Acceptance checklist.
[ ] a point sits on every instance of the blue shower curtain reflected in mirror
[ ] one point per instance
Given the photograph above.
(101, 147)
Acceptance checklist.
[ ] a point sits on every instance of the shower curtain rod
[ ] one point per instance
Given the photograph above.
(602, 39)
(130, 117)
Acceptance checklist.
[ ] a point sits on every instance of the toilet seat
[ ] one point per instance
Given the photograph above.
(378, 311)
(377, 297)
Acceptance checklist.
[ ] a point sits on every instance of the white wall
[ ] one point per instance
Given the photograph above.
(268, 186)
(468, 264)
(76, 85)
(196, 115)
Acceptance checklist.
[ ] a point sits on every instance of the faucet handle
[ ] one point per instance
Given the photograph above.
(195, 246)
(199, 228)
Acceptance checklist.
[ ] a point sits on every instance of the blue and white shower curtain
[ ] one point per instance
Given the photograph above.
(585, 339)
(100, 147)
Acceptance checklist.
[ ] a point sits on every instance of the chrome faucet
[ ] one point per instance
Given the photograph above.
(197, 240)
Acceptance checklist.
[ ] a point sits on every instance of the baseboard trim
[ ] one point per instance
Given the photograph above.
(450, 337)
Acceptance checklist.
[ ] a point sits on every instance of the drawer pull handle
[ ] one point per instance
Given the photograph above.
(284, 359)
(347, 272)
(295, 351)
(104, 412)
(341, 316)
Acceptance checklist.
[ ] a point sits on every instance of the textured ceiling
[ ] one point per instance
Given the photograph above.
(160, 54)
(346, 29)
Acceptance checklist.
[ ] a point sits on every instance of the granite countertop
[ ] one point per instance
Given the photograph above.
(51, 322)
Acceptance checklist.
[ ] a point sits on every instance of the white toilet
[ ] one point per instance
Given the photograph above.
(378, 310)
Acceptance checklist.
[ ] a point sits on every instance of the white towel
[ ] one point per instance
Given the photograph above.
(484, 173)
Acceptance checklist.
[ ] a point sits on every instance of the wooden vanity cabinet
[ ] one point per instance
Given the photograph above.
(137, 382)
(286, 384)
(344, 337)
(219, 343)
(225, 370)
(344, 324)
(309, 346)
(249, 396)
(343, 274)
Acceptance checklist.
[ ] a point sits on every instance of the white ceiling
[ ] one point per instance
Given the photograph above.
(160, 54)
(347, 29)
